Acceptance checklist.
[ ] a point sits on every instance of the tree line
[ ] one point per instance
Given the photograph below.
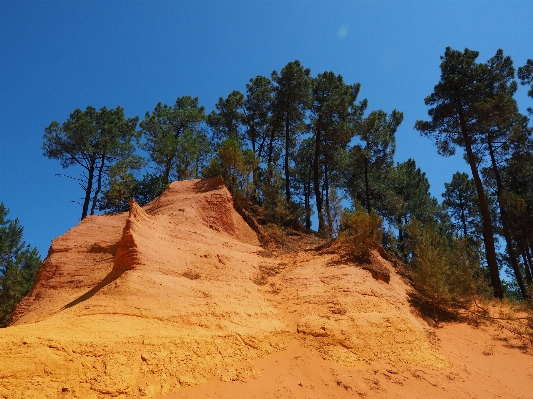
(294, 144)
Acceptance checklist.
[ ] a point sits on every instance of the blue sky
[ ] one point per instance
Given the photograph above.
(56, 56)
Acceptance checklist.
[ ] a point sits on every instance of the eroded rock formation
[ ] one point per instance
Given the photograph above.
(169, 295)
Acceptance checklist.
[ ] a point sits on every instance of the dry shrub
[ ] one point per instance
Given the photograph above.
(362, 232)
(191, 274)
(275, 288)
(488, 349)
(260, 279)
(276, 233)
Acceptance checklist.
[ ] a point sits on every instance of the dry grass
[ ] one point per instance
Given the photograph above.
(260, 279)
(191, 274)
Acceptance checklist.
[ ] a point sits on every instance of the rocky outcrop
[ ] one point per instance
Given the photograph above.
(138, 226)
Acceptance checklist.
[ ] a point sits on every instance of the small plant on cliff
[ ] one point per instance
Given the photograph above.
(363, 232)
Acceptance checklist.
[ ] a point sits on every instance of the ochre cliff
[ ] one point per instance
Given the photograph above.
(169, 296)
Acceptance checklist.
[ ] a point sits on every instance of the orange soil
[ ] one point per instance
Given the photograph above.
(177, 300)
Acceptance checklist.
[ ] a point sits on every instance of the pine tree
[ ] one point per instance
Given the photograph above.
(292, 97)
(257, 118)
(18, 264)
(93, 140)
(460, 200)
(371, 160)
(333, 111)
(445, 269)
(411, 199)
(455, 119)
(525, 74)
(227, 120)
(235, 165)
(164, 128)
(517, 176)
(303, 176)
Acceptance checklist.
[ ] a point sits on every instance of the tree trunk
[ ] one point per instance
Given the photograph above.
(328, 209)
(367, 189)
(527, 266)
(307, 200)
(287, 149)
(88, 189)
(401, 238)
(487, 224)
(505, 225)
(527, 250)
(270, 154)
(255, 178)
(316, 181)
(99, 184)
(168, 167)
(463, 219)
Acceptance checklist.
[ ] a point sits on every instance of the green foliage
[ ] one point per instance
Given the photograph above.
(18, 264)
(334, 211)
(175, 141)
(193, 152)
(93, 140)
(445, 269)
(517, 201)
(412, 198)
(461, 202)
(257, 121)
(362, 231)
(525, 74)
(472, 107)
(276, 209)
(123, 186)
(303, 177)
(226, 121)
(409, 198)
(235, 165)
(257, 111)
(292, 98)
(333, 113)
(371, 160)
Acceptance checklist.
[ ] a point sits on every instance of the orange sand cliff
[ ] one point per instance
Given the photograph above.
(178, 300)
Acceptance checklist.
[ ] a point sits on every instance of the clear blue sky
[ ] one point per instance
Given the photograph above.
(56, 56)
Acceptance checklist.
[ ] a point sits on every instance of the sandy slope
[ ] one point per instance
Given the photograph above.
(177, 299)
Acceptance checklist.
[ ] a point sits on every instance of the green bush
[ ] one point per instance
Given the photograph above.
(445, 269)
(363, 232)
